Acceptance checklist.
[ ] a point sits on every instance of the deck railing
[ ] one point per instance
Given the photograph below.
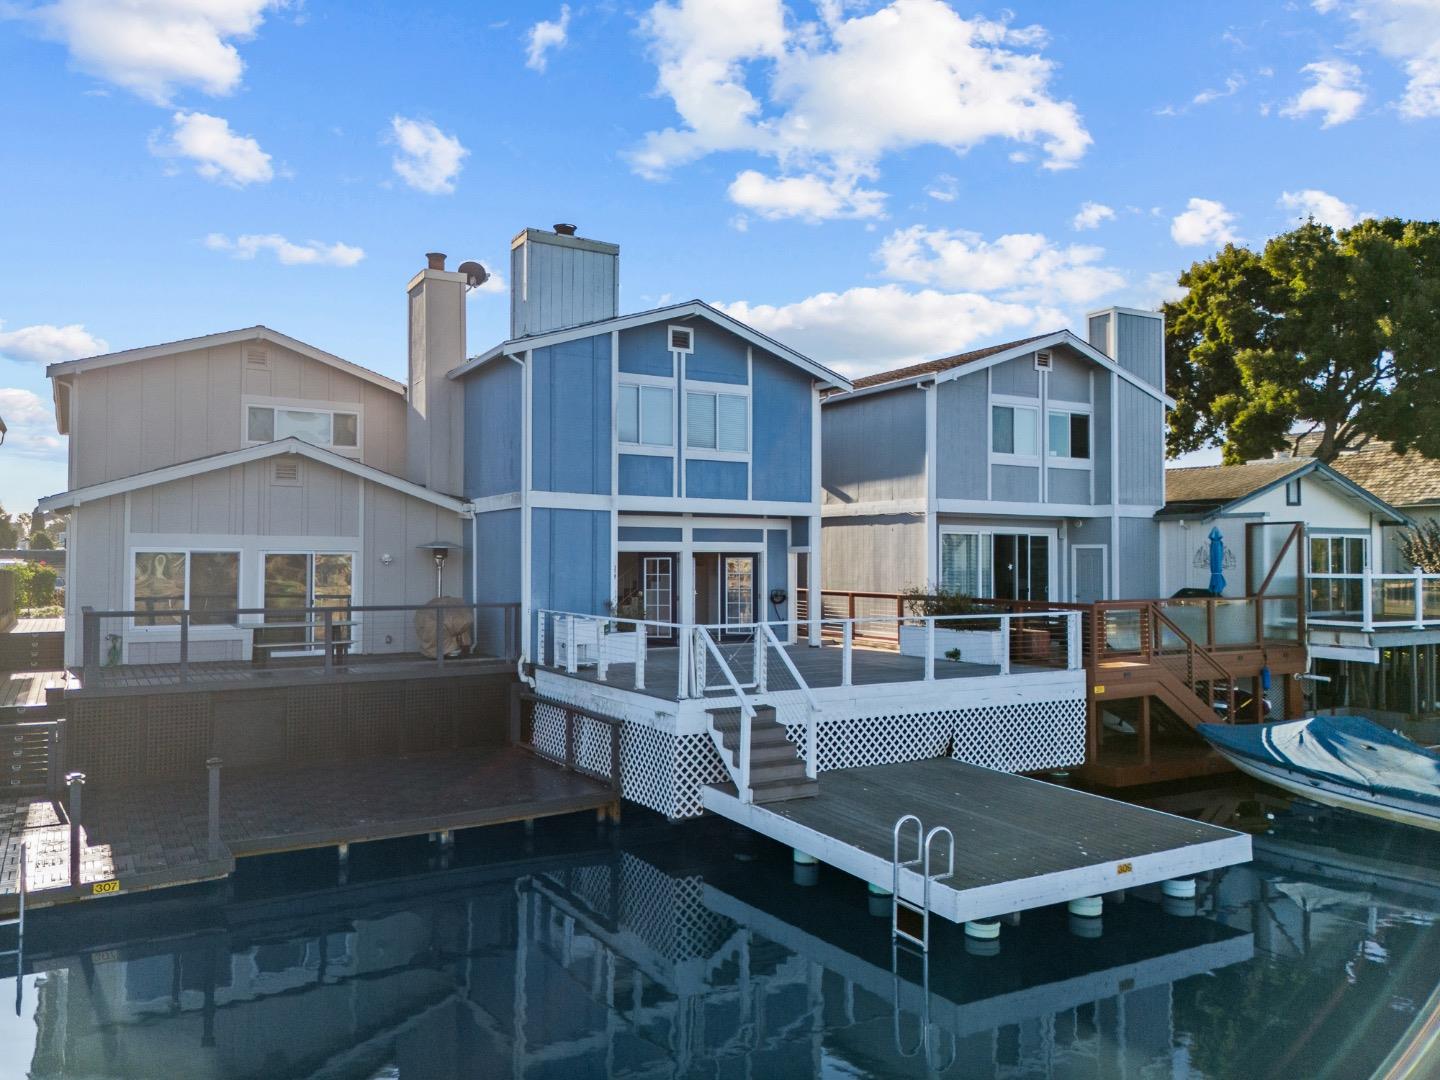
(333, 638)
(1367, 601)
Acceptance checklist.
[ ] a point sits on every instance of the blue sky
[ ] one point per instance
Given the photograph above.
(873, 183)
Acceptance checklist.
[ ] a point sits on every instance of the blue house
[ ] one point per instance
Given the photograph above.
(663, 465)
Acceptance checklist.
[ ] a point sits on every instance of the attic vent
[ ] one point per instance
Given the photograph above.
(682, 339)
(1042, 361)
(256, 358)
(286, 470)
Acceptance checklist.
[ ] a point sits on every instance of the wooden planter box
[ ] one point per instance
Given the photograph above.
(976, 646)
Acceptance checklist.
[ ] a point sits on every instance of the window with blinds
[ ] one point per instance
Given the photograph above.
(717, 422)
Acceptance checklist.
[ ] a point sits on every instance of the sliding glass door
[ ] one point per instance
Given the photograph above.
(1003, 565)
(294, 581)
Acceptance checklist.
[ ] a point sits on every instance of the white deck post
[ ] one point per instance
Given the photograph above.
(759, 661)
(539, 637)
(1004, 644)
(682, 641)
(929, 648)
(1073, 656)
(640, 659)
(812, 760)
(602, 660)
(846, 655)
(745, 795)
(570, 659)
(1419, 599)
(1367, 602)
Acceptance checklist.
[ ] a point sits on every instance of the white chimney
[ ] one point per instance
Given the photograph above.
(434, 444)
(558, 279)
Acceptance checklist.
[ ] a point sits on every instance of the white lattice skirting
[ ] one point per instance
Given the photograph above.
(666, 772)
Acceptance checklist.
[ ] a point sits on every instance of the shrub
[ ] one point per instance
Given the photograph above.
(34, 584)
(1420, 546)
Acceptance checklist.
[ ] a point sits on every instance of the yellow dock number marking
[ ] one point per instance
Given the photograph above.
(1124, 868)
(1099, 689)
(100, 888)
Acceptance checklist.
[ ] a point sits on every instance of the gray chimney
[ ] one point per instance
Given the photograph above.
(558, 279)
(434, 450)
(1134, 339)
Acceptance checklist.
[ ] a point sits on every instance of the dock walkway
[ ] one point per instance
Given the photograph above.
(154, 835)
(1019, 843)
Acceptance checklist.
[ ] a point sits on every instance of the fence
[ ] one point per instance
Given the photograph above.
(332, 639)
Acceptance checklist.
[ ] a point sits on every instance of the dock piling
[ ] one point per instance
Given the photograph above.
(75, 782)
(212, 766)
(342, 855)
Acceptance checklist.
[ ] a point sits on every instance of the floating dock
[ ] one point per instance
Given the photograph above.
(1019, 843)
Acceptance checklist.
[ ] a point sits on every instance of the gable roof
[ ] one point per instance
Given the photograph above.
(688, 309)
(952, 367)
(1409, 479)
(1206, 490)
(230, 458)
(225, 337)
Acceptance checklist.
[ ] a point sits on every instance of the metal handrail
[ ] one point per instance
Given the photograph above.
(747, 715)
(812, 765)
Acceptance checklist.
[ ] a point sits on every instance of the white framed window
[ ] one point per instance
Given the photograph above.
(165, 583)
(965, 563)
(1015, 430)
(1068, 435)
(323, 427)
(1292, 492)
(645, 415)
(717, 421)
(682, 338)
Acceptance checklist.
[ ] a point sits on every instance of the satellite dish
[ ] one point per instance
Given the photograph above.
(475, 274)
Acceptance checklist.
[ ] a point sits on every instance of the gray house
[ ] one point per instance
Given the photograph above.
(248, 469)
(1030, 470)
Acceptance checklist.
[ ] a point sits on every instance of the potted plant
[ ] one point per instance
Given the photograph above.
(975, 641)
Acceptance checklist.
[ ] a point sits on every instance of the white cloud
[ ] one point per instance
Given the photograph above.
(153, 47)
(945, 188)
(428, 159)
(547, 35)
(48, 344)
(828, 100)
(1204, 222)
(1323, 207)
(811, 197)
(1016, 267)
(30, 425)
(1336, 90)
(218, 153)
(868, 329)
(310, 253)
(1233, 85)
(1091, 215)
(1407, 32)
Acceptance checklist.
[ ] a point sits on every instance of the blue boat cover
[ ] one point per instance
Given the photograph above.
(1347, 750)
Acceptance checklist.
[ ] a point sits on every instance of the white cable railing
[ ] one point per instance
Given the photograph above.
(1370, 600)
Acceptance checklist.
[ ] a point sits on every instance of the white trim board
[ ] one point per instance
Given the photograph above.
(260, 452)
(215, 341)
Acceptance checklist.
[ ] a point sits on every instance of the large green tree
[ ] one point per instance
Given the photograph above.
(1331, 333)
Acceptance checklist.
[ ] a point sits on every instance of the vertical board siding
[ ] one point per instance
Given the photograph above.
(777, 576)
(1069, 377)
(962, 438)
(570, 560)
(555, 283)
(132, 418)
(397, 524)
(873, 448)
(1140, 345)
(1015, 483)
(1141, 426)
(493, 424)
(1070, 486)
(781, 403)
(644, 474)
(1100, 436)
(705, 479)
(1139, 559)
(800, 532)
(1099, 332)
(1017, 377)
(874, 554)
(571, 411)
(497, 556)
(244, 501)
(719, 355)
(645, 350)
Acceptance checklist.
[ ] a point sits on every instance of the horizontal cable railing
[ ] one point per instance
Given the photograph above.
(331, 636)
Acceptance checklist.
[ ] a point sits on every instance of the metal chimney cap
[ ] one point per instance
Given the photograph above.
(435, 260)
(565, 229)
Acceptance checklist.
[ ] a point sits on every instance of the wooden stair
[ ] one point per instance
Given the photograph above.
(777, 772)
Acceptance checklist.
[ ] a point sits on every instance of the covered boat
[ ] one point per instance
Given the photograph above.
(1344, 761)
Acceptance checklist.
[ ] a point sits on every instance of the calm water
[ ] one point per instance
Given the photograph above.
(692, 951)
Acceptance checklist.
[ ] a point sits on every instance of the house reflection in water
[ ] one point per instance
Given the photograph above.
(633, 961)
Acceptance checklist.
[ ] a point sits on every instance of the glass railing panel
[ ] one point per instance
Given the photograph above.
(1123, 628)
(1235, 621)
(1190, 617)
(1280, 617)
(1430, 597)
(1393, 599)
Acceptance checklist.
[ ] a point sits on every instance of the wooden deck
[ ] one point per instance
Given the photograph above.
(155, 835)
(38, 626)
(27, 688)
(1019, 843)
(818, 666)
(236, 674)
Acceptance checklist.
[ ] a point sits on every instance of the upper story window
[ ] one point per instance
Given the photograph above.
(323, 427)
(1068, 435)
(1292, 492)
(717, 422)
(1015, 429)
(646, 415)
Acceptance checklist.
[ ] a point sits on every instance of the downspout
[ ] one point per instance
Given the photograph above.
(525, 525)
(1114, 485)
